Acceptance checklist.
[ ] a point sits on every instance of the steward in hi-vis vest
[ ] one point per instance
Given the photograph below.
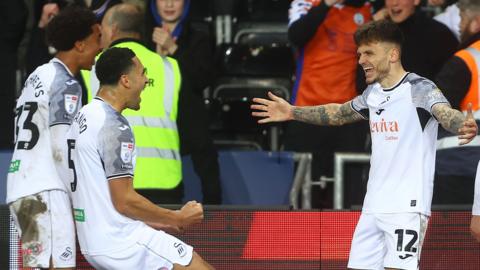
(154, 125)
(459, 81)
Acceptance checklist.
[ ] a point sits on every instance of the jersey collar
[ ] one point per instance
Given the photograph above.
(61, 63)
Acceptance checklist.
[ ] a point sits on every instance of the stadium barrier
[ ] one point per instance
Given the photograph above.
(251, 239)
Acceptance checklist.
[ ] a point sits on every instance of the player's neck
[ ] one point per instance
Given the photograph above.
(109, 96)
(69, 61)
(395, 75)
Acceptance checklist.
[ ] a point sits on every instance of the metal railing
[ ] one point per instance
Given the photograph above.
(303, 179)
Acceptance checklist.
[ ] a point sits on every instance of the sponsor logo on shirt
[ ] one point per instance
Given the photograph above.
(14, 166)
(79, 215)
(383, 126)
(126, 152)
(71, 102)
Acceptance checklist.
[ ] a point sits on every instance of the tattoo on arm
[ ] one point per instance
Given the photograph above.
(449, 118)
(327, 115)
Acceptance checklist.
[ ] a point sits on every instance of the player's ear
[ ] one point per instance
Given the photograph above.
(395, 54)
(79, 45)
(124, 81)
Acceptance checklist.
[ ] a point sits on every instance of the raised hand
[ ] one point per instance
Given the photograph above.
(165, 42)
(469, 130)
(48, 11)
(192, 213)
(274, 110)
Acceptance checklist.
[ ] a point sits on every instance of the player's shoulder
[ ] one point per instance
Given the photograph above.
(419, 83)
(103, 114)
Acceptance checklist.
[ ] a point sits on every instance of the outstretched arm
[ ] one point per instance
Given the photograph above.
(455, 122)
(277, 109)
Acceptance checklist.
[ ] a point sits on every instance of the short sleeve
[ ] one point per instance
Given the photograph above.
(117, 148)
(425, 94)
(65, 101)
(359, 103)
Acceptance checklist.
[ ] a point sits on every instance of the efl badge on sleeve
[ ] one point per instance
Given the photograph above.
(126, 152)
(71, 102)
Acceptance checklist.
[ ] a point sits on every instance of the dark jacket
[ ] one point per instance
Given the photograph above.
(428, 44)
(455, 77)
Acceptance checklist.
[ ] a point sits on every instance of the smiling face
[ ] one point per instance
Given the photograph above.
(91, 47)
(469, 23)
(400, 10)
(375, 59)
(137, 81)
(170, 10)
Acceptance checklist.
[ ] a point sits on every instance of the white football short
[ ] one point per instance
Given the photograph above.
(476, 196)
(154, 250)
(388, 241)
(44, 222)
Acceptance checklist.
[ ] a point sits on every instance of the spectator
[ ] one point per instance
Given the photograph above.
(38, 52)
(428, 43)
(13, 14)
(458, 79)
(118, 228)
(158, 172)
(37, 179)
(449, 17)
(322, 32)
(170, 33)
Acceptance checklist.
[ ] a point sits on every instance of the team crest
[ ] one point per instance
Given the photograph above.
(71, 102)
(126, 152)
(358, 18)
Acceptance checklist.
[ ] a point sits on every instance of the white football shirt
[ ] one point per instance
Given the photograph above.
(51, 96)
(404, 134)
(102, 148)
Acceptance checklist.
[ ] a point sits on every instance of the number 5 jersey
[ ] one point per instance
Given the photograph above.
(51, 96)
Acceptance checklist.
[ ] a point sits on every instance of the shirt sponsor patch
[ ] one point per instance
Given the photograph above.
(71, 102)
(14, 166)
(79, 215)
(126, 152)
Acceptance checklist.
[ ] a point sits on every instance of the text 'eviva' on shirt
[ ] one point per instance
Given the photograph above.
(404, 134)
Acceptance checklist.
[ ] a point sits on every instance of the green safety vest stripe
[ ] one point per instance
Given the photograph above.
(135, 120)
(158, 163)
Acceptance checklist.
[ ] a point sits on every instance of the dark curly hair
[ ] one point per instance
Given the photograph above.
(72, 24)
(112, 64)
(379, 31)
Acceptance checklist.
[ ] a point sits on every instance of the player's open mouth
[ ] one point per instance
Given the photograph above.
(368, 70)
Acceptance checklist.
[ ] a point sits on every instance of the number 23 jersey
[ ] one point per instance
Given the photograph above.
(51, 96)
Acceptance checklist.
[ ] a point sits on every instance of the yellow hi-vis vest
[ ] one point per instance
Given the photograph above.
(158, 164)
